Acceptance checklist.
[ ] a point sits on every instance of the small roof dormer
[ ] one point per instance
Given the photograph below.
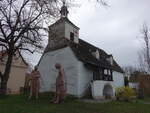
(62, 29)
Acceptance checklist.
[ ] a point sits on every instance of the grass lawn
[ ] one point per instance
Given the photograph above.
(20, 104)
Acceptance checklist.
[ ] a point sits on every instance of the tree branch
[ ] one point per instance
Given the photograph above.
(2, 31)
(3, 45)
(2, 40)
(26, 49)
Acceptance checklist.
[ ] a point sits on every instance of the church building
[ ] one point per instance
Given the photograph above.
(86, 66)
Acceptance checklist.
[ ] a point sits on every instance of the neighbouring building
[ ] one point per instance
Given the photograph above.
(141, 82)
(17, 74)
(86, 66)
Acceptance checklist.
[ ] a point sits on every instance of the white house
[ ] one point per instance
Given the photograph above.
(17, 74)
(85, 65)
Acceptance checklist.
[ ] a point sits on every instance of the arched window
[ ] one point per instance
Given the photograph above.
(108, 91)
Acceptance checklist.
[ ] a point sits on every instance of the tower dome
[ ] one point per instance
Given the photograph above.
(64, 10)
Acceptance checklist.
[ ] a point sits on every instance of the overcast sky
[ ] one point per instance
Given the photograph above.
(115, 29)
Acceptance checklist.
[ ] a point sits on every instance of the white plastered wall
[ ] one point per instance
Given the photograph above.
(66, 57)
(118, 79)
(70, 28)
(84, 79)
(98, 86)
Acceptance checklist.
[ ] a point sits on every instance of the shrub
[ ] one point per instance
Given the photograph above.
(125, 93)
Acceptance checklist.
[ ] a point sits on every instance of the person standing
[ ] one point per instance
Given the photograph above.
(60, 85)
(27, 80)
(35, 83)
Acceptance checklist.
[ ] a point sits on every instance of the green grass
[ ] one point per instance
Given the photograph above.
(20, 104)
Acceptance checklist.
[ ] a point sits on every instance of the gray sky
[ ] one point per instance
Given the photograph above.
(115, 29)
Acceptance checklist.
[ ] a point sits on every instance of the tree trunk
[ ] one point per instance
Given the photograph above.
(5, 75)
(3, 88)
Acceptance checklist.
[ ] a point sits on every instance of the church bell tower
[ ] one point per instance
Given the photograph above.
(62, 29)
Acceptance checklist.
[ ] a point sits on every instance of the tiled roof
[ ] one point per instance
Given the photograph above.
(64, 19)
(83, 51)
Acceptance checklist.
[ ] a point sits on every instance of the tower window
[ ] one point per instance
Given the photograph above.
(71, 36)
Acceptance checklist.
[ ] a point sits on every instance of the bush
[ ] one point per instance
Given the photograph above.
(125, 93)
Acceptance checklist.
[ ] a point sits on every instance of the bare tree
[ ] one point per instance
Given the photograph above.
(141, 61)
(144, 55)
(129, 69)
(21, 28)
